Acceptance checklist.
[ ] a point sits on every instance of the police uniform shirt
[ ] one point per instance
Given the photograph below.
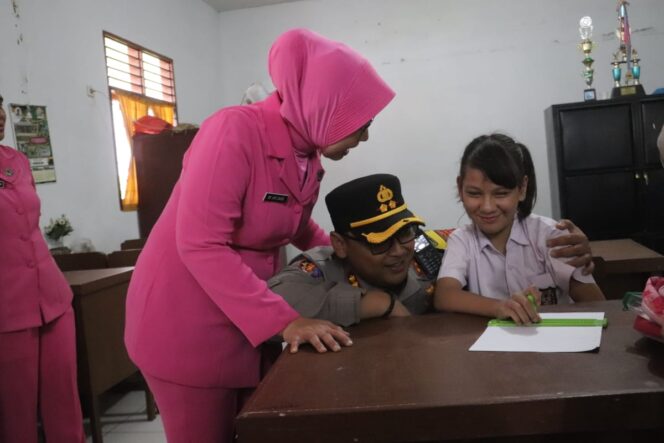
(318, 284)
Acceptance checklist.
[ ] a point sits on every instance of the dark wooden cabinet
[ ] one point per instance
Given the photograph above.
(604, 167)
(158, 166)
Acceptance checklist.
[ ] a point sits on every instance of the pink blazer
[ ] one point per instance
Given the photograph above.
(33, 291)
(198, 304)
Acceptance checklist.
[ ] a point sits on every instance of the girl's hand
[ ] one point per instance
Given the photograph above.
(321, 334)
(519, 308)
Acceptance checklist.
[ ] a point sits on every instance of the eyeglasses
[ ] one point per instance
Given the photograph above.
(404, 235)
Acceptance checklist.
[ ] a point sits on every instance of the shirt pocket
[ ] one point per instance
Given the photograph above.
(547, 287)
(281, 218)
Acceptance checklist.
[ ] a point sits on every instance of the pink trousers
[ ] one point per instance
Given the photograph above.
(38, 375)
(197, 415)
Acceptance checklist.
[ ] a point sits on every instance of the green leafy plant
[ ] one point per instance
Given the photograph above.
(58, 228)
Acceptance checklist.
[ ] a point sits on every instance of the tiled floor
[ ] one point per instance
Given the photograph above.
(125, 421)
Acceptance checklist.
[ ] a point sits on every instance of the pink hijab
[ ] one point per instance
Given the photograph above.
(328, 90)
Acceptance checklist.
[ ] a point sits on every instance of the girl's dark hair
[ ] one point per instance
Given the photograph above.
(505, 162)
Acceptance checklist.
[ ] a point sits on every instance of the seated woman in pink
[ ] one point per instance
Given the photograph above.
(198, 306)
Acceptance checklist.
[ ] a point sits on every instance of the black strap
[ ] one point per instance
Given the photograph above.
(390, 308)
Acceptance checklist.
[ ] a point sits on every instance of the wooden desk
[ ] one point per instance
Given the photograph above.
(99, 306)
(623, 265)
(413, 379)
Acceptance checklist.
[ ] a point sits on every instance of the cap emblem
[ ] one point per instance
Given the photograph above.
(384, 195)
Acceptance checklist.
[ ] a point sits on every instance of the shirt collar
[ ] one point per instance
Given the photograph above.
(411, 286)
(517, 235)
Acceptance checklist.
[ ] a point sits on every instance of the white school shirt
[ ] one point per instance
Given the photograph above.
(471, 259)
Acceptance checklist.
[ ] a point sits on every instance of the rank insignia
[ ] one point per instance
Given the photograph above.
(385, 196)
(418, 269)
(352, 280)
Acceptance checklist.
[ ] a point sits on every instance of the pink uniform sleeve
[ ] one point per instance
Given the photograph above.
(213, 184)
(311, 236)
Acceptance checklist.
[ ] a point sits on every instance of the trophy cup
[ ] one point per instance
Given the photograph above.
(586, 46)
(626, 55)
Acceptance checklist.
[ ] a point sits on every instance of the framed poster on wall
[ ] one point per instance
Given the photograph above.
(32, 138)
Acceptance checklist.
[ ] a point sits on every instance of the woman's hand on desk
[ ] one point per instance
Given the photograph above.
(574, 245)
(321, 334)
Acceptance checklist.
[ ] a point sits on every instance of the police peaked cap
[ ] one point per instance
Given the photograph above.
(370, 207)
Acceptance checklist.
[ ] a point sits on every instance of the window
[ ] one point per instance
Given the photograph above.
(141, 82)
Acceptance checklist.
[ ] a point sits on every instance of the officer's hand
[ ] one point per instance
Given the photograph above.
(399, 310)
(321, 334)
(574, 245)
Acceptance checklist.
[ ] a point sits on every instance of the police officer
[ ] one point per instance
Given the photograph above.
(369, 270)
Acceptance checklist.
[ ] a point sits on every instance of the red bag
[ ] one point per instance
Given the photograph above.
(150, 125)
(653, 299)
(651, 320)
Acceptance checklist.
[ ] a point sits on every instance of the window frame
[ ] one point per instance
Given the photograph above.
(140, 50)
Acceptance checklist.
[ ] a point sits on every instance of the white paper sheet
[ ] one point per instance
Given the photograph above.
(543, 338)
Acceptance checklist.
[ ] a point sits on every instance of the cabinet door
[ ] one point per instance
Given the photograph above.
(603, 205)
(158, 166)
(653, 119)
(597, 137)
(654, 200)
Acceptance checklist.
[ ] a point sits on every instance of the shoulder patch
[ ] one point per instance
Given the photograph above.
(309, 267)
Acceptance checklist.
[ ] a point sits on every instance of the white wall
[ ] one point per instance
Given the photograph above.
(62, 52)
(460, 69)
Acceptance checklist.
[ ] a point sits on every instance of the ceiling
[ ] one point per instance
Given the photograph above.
(229, 5)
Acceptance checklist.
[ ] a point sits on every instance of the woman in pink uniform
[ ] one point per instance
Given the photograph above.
(37, 342)
(198, 306)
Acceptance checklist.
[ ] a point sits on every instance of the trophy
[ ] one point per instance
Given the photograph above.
(586, 46)
(625, 56)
